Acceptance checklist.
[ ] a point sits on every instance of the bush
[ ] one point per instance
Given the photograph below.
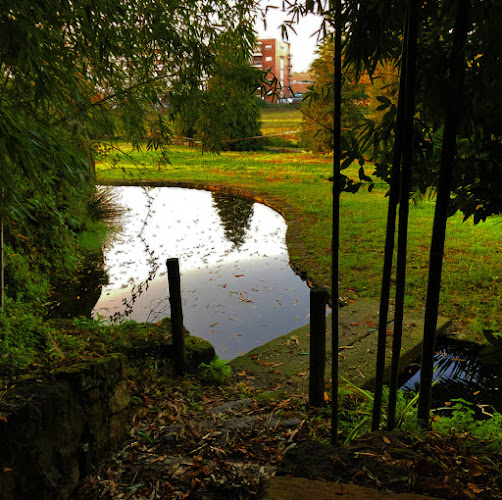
(217, 372)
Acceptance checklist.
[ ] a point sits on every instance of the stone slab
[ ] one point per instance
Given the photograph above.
(283, 363)
(299, 488)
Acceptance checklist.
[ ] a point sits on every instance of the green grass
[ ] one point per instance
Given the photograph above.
(297, 185)
(279, 119)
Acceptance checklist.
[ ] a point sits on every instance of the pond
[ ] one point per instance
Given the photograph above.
(238, 290)
(461, 371)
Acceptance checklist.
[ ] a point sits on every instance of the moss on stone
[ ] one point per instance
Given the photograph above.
(198, 351)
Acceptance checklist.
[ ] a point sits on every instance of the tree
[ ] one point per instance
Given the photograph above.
(73, 72)
(374, 32)
(318, 117)
(222, 111)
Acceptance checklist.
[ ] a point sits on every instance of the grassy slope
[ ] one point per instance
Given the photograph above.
(297, 185)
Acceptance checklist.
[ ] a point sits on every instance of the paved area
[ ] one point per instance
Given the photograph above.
(299, 488)
(283, 363)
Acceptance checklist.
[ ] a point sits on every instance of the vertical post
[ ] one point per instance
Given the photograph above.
(336, 8)
(173, 277)
(318, 301)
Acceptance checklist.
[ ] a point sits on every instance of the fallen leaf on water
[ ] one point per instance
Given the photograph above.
(238, 275)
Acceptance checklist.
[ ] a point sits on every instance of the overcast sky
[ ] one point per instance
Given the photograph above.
(303, 44)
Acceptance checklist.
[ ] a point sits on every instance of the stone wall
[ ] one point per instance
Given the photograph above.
(50, 432)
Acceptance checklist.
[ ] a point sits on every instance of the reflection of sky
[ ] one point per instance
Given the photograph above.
(235, 298)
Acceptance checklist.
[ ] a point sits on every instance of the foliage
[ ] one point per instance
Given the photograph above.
(357, 420)
(74, 73)
(23, 336)
(317, 131)
(462, 420)
(223, 113)
(476, 189)
(216, 372)
(355, 415)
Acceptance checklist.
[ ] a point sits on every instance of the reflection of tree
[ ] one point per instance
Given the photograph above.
(235, 214)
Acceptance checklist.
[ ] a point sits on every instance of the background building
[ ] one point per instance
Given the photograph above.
(273, 56)
(300, 82)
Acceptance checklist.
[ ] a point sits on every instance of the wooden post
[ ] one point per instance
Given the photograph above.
(173, 277)
(318, 301)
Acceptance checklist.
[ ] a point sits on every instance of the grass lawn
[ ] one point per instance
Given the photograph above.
(280, 119)
(296, 184)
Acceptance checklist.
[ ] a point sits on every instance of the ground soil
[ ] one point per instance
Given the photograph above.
(190, 440)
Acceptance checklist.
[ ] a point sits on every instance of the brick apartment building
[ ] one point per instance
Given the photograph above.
(274, 56)
(300, 82)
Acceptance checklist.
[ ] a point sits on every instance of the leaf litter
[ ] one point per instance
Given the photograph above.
(196, 441)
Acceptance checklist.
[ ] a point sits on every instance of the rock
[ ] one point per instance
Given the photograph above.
(198, 351)
(52, 431)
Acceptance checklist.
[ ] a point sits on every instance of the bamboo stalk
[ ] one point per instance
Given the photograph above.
(335, 237)
(402, 243)
(389, 245)
(454, 98)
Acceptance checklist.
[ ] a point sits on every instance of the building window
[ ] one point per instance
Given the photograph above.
(268, 58)
(268, 47)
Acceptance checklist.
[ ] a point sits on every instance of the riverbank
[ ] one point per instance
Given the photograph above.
(281, 366)
(297, 186)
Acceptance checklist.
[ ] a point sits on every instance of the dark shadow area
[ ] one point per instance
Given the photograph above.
(461, 371)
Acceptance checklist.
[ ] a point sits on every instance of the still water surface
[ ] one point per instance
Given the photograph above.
(238, 290)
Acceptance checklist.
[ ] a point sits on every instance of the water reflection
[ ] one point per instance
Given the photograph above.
(238, 290)
(460, 373)
(235, 214)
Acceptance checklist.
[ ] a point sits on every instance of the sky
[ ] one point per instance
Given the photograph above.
(303, 44)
